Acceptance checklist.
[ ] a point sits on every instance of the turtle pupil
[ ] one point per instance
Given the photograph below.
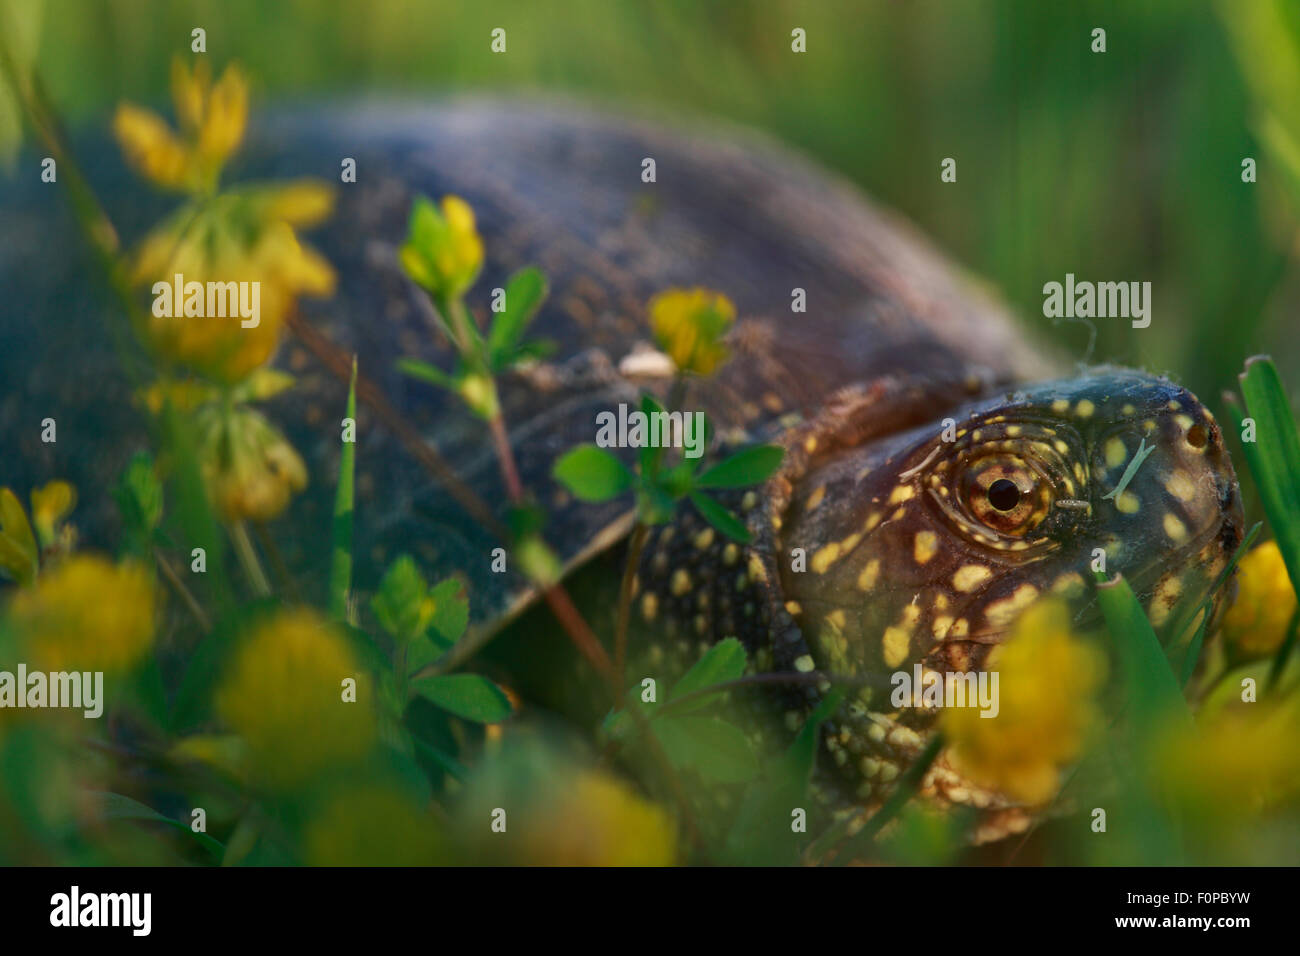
(1003, 494)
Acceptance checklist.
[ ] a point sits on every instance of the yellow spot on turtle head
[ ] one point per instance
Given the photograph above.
(1149, 425)
(825, 557)
(925, 546)
(748, 501)
(815, 498)
(895, 645)
(867, 578)
(756, 569)
(970, 576)
(1085, 408)
(731, 553)
(902, 493)
(1128, 411)
(680, 583)
(1070, 584)
(805, 663)
(810, 444)
(1127, 503)
(1166, 596)
(1013, 431)
(704, 539)
(1176, 530)
(1001, 613)
(1180, 486)
(1116, 453)
(1060, 406)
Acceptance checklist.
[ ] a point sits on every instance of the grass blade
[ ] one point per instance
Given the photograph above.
(341, 560)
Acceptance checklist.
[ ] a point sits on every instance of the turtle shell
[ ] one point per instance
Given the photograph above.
(551, 185)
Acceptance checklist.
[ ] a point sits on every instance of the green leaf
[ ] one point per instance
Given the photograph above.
(1153, 694)
(716, 749)
(116, 806)
(720, 517)
(427, 373)
(723, 662)
(450, 609)
(748, 467)
(767, 805)
(524, 295)
(20, 34)
(341, 554)
(401, 604)
(592, 474)
(139, 497)
(1274, 457)
(469, 696)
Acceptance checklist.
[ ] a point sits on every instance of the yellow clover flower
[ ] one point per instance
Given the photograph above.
(50, 505)
(212, 119)
(443, 251)
(1256, 624)
(87, 614)
(250, 469)
(368, 825)
(216, 248)
(19, 555)
(1046, 683)
(689, 325)
(283, 693)
(1235, 763)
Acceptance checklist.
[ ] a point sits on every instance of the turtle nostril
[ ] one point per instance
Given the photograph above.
(1003, 494)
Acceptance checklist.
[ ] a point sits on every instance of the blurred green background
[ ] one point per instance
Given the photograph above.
(1124, 165)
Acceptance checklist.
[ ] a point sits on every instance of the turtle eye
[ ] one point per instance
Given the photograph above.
(1006, 495)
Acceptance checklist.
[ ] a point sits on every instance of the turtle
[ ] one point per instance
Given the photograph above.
(942, 468)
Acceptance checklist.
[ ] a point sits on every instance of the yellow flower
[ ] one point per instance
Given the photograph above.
(1256, 624)
(250, 470)
(368, 825)
(1046, 681)
(216, 248)
(1235, 763)
(283, 692)
(443, 251)
(689, 325)
(87, 614)
(19, 556)
(559, 813)
(211, 119)
(50, 505)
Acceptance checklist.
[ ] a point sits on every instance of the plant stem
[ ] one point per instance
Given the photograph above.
(186, 595)
(248, 559)
(634, 550)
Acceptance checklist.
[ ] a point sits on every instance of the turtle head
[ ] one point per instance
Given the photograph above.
(925, 546)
